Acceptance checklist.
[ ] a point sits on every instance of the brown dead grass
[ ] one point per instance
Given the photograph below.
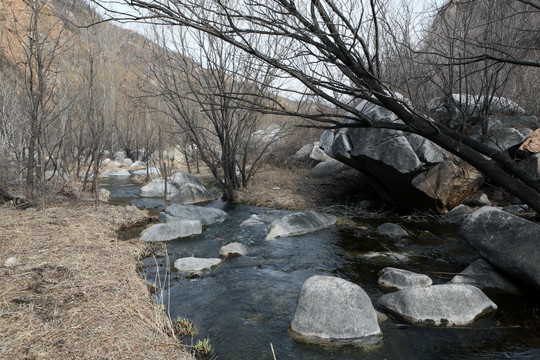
(294, 189)
(75, 292)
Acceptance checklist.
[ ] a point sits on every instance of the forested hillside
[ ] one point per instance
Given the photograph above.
(68, 91)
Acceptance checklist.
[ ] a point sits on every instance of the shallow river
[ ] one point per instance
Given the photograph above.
(248, 302)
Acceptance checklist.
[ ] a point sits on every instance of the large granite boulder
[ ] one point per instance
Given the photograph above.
(507, 241)
(172, 230)
(484, 276)
(156, 188)
(182, 188)
(400, 279)
(446, 305)
(190, 189)
(331, 310)
(206, 215)
(405, 169)
(299, 223)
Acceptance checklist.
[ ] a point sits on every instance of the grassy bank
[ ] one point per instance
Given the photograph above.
(75, 290)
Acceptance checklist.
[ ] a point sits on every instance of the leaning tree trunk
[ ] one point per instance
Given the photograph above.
(504, 173)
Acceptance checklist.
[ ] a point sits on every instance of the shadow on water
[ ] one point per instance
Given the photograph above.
(248, 302)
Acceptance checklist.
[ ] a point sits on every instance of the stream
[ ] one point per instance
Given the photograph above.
(245, 306)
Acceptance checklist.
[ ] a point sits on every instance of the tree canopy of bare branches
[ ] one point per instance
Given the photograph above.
(334, 49)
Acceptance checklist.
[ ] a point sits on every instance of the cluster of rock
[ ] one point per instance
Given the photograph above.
(497, 122)
(331, 310)
(181, 221)
(322, 165)
(405, 169)
(412, 172)
(182, 188)
(334, 311)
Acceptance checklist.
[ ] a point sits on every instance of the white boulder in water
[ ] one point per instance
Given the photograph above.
(331, 310)
(195, 265)
(233, 248)
(172, 230)
(446, 305)
(206, 215)
(299, 223)
(182, 188)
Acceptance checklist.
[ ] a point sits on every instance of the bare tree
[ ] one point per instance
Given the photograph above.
(37, 41)
(213, 94)
(334, 49)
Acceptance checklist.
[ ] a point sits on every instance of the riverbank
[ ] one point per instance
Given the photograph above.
(75, 289)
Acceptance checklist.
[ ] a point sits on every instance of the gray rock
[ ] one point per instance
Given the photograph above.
(112, 173)
(299, 223)
(334, 311)
(457, 214)
(304, 152)
(386, 257)
(10, 262)
(447, 305)
(327, 168)
(516, 209)
(127, 162)
(500, 135)
(400, 279)
(182, 188)
(533, 164)
(195, 265)
(508, 242)
(156, 188)
(404, 169)
(172, 230)
(233, 248)
(104, 194)
(119, 156)
(391, 230)
(192, 194)
(137, 165)
(318, 154)
(114, 164)
(480, 200)
(253, 220)
(326, 141)
(206, 215)
(483, 275)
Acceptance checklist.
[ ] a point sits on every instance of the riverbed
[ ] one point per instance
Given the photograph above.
(245, 306)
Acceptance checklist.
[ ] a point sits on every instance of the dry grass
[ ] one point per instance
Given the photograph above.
(294, 189)
(75, 292)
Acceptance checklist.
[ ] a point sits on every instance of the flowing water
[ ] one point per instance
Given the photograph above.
(247, 303)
